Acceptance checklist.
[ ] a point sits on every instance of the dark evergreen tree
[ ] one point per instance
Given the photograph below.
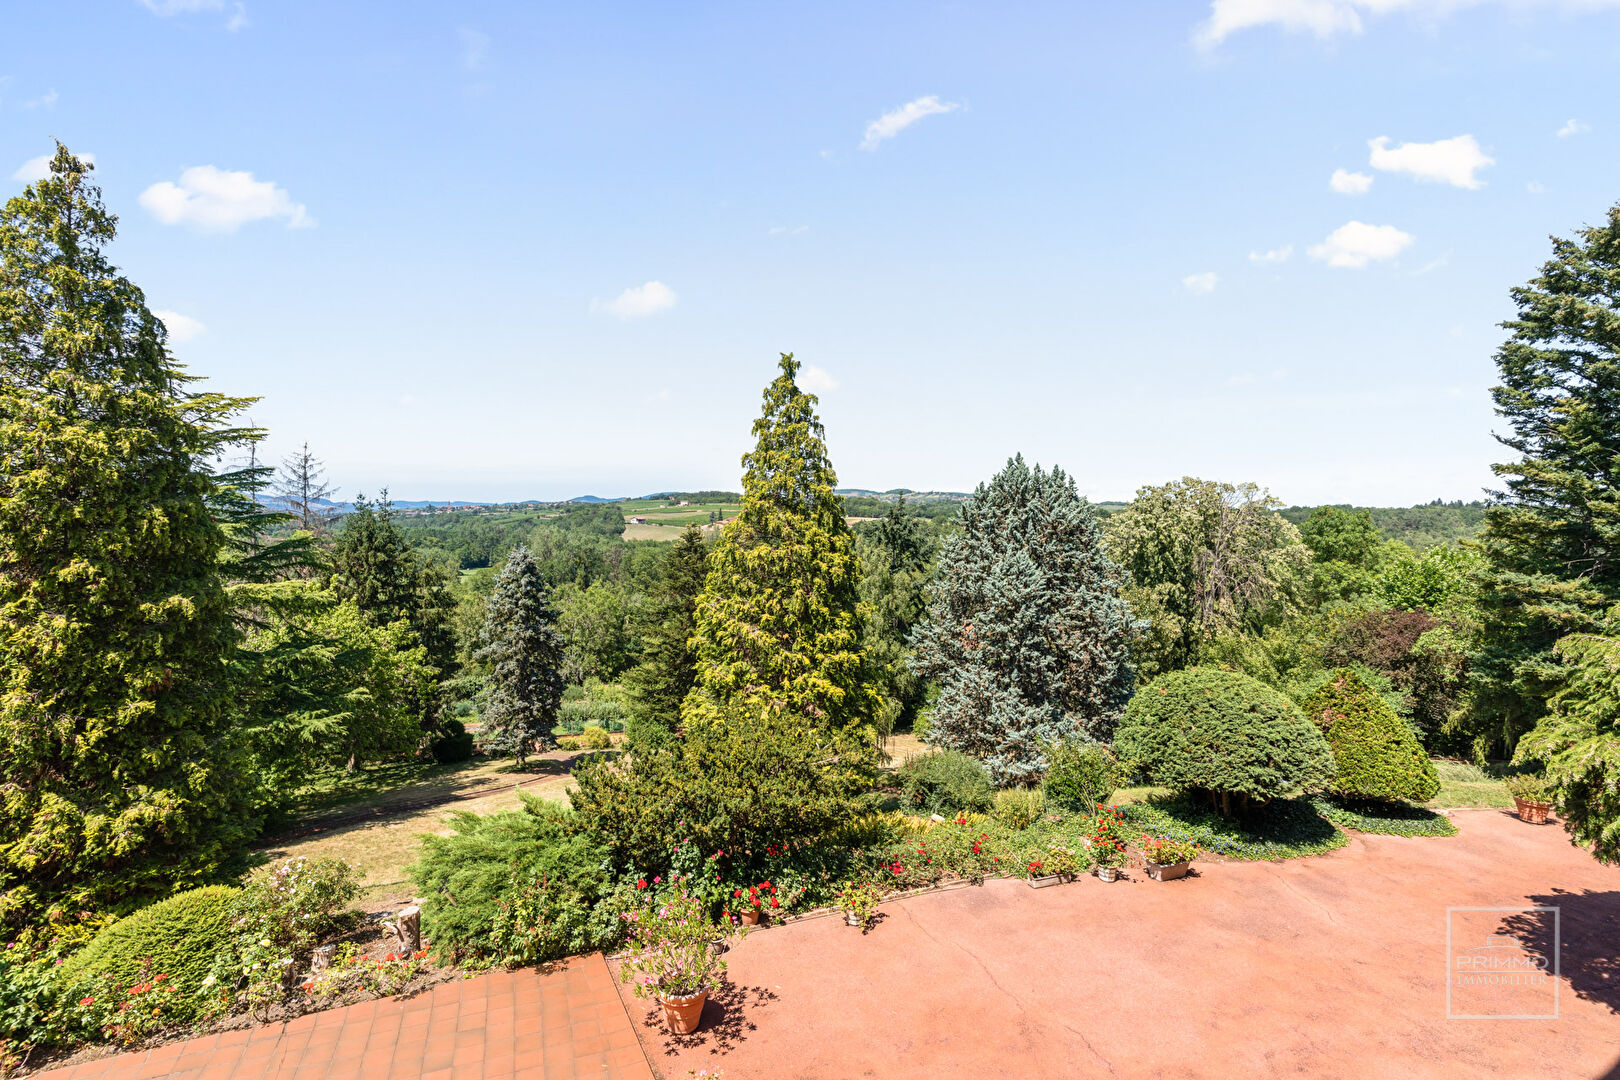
(373, 563)
(1026, 631)
(523, 651)
(778, 625)
(668, 668)
(1552, 537)
(896, 555)
(123, 775)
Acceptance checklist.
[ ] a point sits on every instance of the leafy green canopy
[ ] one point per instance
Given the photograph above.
(1204, 560)
(1553, 537)
(1026, 631)
(523, 649)
(1224, 737)
(778, 623)
(1578, 743)
(124, 778)
(1375, 754)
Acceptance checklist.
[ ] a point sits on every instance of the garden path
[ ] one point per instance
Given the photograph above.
(1332, 966)
(566, 1024)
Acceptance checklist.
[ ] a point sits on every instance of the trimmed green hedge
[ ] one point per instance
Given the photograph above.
(1390, 819)
(1375, 752)
(1224, 737)
(180, 935)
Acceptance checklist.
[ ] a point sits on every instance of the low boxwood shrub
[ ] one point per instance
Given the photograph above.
(1375, 753)
(514, 887)
(1284, 829)
(1224, 738)
(1080, 776)
(945, 782)
(177, 938)
(1018, 808)
(456, 744)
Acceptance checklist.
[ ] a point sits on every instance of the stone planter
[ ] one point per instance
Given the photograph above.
(851, 919)
(1107, 873)
(1533, 812)
(683, 1015)
(1167, 871)
(1044, 880)
(717, 946)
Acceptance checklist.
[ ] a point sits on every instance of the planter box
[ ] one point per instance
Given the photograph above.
(1533, 812)
(1167, 871)
(1043, 882)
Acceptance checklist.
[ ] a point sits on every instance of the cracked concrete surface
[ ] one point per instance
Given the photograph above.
(1327, 967)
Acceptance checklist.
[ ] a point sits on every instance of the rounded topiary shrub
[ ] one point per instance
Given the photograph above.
(945, 781)
(1222, 736)
(1375, 752)
(180, 936)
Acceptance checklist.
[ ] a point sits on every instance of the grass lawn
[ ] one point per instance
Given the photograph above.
(1465, 785)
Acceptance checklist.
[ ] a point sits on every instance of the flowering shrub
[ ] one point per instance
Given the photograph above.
(127, 1014)
(276, 920)
(671, 954)
(860, 900)
(1165, 850)
(1062, 860)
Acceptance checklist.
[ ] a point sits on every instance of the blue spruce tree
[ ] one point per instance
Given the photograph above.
(1027, 632)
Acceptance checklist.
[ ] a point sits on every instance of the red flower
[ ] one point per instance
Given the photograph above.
(86, 1000)
(773, 901)
(641, 883)
(736, 892)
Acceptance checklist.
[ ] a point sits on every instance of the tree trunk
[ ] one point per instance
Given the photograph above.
(407, 928)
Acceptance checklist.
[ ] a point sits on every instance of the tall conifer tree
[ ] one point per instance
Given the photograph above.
(122, 775)
(1027, 631)
(668, 668)
(523, 649)
(778, 623)
(1553, 537)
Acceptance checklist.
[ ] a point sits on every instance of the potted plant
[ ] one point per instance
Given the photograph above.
(671, 959)
(1168, 858)
(753, 902)
(1106, 844)
(1038, 875)
(858, 901)
(1532, 797)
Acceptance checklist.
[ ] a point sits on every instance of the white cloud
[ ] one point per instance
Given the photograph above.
(1572, 126)
(1449, 161)
(895, 121)
(638, 302)
(182, 328)
(238, 18)
(1201, 283)
(46, 100)
(1325, 18)
(1355, 244)
(816, 380)
(474, 48)
(787, 230)
(216, 200)
(36, 169)
(1275, 255)
(1535, 187)
(1349, 183)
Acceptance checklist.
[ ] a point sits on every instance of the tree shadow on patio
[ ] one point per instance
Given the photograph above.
(725, 1021)
(1588, 928)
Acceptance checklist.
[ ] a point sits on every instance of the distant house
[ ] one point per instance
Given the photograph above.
(684, 502)
(638, 521)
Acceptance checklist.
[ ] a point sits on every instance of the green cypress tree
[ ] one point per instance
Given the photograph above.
(778, 622)
(124, 778)
(1027, 631)
(523, 650)
(668, 668)
(896, 563)
(374, 565)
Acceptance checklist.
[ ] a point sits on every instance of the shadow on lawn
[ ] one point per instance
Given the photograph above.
(725, 1020)
(1588, 930)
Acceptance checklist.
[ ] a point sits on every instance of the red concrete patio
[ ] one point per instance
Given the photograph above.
(1327, 967)
(522, 1025)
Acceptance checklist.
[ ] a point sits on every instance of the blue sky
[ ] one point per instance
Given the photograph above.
(518, 250)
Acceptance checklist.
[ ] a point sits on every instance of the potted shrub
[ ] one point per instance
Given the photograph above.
(859, 901)
(754, 902)
(1039, 874)
(1168, 858)
(1532, 796)
(1108, 858)
(671, 959)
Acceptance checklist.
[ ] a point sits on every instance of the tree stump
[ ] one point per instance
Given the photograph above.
(321, 959)
(406, 926)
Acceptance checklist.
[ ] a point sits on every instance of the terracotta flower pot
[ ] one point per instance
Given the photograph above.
(750, 917)
(1166, 871)
(684, 1014)
(1108, 873)
(1533, 812)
